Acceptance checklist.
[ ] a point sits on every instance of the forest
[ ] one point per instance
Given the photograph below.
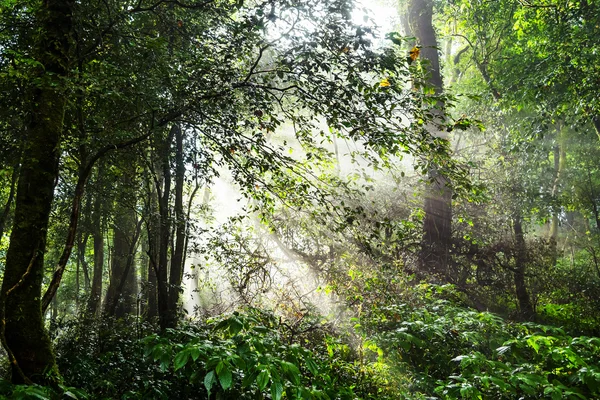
(300, 199)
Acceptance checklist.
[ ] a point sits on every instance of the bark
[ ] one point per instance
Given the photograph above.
(177, 266)
(144, 262)
(82, 242)
(98, 237)
(151, 285)
(437, 226)
(152, 221)
(525, 307)
(438, 197)
(124, 295)
(164, 193)
(553, 234)
(593, 201)
(421, 25)
(81, 248)
(23, 332)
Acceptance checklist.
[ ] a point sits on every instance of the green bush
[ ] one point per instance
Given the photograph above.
(457, 353)
(37, 392)
(106, 358)
(249, 355)
(254, 356)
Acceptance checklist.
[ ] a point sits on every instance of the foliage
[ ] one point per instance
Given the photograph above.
(250, 355)
(105, 357)
(454, 352)
(265, 90)
(37, 392)
(244, 355)
(425, 343)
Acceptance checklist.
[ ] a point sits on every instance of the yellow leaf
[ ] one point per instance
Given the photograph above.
(384, 83)
(414, 53)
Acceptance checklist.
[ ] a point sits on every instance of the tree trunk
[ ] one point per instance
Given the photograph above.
(438, 197)
(24, 335)
(153, 239)
(98, 237)
(164, 193)
(122, 289)
(144, 262)
(151, 285)
(176, 272)
(560, 161)
(525, 307)
(81, 249)
(125, 299)
(593, 200)
(421, 25)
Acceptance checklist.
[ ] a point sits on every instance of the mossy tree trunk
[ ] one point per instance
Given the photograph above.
(25, 337)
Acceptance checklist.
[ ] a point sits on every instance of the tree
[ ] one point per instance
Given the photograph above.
(438, 198)
(122, 291)
(23, 332)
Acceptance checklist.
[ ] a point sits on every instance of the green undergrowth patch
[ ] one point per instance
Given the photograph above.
(252, 354)
(426, 345)
(453, 352)
(37, 392)
(256, 356)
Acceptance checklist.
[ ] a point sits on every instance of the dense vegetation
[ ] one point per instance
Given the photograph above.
(417, 214)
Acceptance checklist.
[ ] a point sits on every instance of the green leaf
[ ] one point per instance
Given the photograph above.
(181, 359)
(312, 366)
(209, 381)
(165, 361)
(276, 390)
(308, 395)
(527, 389)
(195, 353)
(292, 371)
(262, 379)
(249, 379)
(235, 326)
(224, 374)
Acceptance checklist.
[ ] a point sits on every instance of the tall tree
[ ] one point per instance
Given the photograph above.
(438, 197)
(97, 218)
(24, 334)
(177, 260)
(121, 293)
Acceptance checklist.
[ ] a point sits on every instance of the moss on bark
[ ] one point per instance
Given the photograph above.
(24, 335)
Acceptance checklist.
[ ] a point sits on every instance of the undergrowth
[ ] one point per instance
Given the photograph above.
(428, 346)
